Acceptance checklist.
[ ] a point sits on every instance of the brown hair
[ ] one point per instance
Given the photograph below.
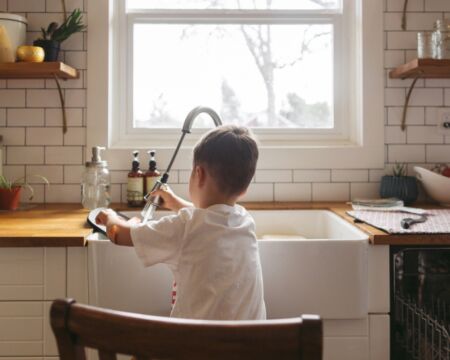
(229, 153)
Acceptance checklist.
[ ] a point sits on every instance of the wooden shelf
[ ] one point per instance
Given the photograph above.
(424, 68)
(44, 70)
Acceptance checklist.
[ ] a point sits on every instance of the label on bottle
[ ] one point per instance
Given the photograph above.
(135, 189)
(151, 181)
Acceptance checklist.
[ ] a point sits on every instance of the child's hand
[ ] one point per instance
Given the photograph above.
(117, 228)
(169, 199)
(104, 216)
(134, 221)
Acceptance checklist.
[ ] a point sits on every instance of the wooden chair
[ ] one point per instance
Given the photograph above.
(78, 326)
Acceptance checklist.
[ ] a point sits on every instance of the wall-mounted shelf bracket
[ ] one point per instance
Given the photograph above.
(63, 103)
(408, 96)
(419, 69)
(405, 7)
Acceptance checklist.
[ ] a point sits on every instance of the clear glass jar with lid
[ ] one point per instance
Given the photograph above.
(441, 39)
(95, 184)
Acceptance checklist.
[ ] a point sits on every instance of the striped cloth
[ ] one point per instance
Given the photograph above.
(438, 221)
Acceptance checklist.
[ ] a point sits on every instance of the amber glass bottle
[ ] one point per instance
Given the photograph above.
(152, 175)
(135, 185)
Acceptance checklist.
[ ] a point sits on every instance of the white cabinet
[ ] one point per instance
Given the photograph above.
(368, 338)
(25, 329)
(346, 339)
(379, 331)
(21, 328)
(378, 278)
(32, 273)
(30, 278)
(379, 302)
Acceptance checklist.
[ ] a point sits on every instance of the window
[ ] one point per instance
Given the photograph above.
(294, 71)
(284, 82)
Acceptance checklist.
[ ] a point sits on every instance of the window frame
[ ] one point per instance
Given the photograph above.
(361, 146)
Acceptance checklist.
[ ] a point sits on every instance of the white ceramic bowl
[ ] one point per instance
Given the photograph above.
(437, 186)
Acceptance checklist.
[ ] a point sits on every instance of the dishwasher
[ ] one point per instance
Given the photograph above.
(420, 303)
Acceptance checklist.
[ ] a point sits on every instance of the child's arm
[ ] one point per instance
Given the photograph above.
(170, 200)
(117, 229)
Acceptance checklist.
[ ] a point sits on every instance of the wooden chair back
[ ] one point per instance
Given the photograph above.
(111, 332)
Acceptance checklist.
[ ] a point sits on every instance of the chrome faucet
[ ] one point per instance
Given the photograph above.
(153, 202)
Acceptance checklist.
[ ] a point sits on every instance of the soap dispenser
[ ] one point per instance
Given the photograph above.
(95, 185)
(152, 175)
(135, 184)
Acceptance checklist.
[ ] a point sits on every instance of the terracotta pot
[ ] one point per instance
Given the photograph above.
(9, 199)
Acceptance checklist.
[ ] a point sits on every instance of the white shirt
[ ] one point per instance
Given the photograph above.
(213, 254)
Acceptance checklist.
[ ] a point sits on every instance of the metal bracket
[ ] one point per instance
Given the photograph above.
(408, 96)
(63, 103)
(63, 3)
(405, 6)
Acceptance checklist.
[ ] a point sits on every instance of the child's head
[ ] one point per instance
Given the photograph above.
(229, 155)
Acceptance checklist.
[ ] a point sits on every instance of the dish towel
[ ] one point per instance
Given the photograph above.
(438, 221)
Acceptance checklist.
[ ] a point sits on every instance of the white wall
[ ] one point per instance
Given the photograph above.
(30, 120)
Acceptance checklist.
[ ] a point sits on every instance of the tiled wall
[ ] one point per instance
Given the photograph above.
(30, 120)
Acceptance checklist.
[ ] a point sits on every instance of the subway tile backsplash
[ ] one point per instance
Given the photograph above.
(31, 121)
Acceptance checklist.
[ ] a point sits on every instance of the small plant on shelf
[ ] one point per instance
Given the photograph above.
(399, 185)
(399, 169)
(10, 191)
(55, 34)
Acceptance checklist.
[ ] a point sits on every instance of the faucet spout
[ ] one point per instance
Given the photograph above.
(153, 201)
(187, 126)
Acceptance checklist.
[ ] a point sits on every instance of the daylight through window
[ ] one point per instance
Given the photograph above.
(266, 64)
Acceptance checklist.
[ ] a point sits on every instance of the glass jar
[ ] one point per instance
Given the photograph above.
(441, 39)
(424, 45)
(95, 187)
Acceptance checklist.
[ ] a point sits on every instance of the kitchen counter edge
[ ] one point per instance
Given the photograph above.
(40, 226)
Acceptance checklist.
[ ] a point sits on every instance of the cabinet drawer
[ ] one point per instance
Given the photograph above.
(32, 273)
(25, 329)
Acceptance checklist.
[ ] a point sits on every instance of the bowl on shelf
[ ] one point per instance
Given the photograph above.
(437, 186)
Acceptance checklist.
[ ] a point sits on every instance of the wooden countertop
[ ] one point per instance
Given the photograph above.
(52, 225)
(46, 225)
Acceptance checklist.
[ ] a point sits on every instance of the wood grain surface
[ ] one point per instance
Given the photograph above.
(65, 225)
(44, 70)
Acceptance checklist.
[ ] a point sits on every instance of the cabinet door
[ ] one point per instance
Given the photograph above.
(32, 273)
(379, 337)
(77, 274)
(21, 328)
(378, 285)
(346, 339)
(25, 330)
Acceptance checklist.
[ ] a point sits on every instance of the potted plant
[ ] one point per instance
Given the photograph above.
(10, 191)
(55, 34)
(399, 185)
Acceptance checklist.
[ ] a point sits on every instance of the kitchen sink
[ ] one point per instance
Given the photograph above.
(313, 262)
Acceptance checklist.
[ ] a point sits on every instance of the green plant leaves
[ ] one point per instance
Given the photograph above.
(22, 182)
(72, 25)
(5, 183)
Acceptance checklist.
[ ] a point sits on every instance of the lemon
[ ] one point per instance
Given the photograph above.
(30, 53)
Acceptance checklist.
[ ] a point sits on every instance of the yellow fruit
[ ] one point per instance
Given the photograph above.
(30, 53)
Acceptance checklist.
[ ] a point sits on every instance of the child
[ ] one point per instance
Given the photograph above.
(210, 244)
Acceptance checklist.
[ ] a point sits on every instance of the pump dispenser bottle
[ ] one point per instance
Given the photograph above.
(152, 175)
(95, 185)
(135, 185)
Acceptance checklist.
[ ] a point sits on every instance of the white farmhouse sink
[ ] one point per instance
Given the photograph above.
(313, 262)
